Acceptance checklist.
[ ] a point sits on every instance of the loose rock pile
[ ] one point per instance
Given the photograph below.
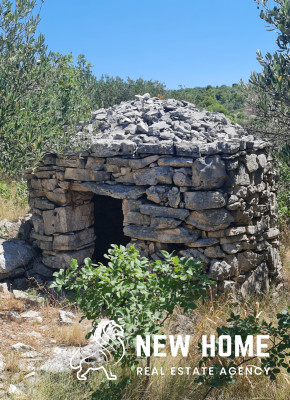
(190, 181)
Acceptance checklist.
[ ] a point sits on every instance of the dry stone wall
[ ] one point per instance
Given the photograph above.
(189, 181)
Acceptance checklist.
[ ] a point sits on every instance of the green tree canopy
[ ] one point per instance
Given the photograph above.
(268, 91)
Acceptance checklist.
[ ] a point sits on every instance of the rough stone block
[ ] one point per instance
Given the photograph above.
(175, 162)
(164, 223)
(153, 176)
(214, 252)
(163, 147)
(63, 259)
(209, 173)
(96, 164)
(204, 242)
(184, 148)
(68, 219)
(174, 197)
(86, 175)
(211, 220)
(43, 204)
(257, 282)
(177, 235)
(220, 270)
(181, 178)
(251, 162)
(167, 212)
(58, 196)
(73, 163)
(142, 162)
(204, 200)
(74, 240)
(249, 260)
(13, 255)
(157, 194)
(136, 218)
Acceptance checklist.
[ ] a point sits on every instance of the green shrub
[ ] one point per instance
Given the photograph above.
(251, 325)
(137, 294)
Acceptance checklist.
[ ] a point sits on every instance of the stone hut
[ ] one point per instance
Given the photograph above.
(160, 174)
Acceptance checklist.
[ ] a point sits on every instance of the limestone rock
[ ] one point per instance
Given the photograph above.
(157, 194)
(4, 288)
(164, 223)
(210, 220)
(175, 162)
(142, 162)
(117, 191)
(204, 200)
(152, 176)
(86, 175)
(251, 162)
(181, 178)
(220, 270)
(214, 252)
(14, 254)
(29, 298)
(249, 260)
(31, 314)
(68, 219)
(174, 197)
(136, 218)
(167, 212)
(20, 347)
(63, 259)
(204, 242)
(196, 254)
(177, 235)
(257, 282)
(74, 240)
(66, 317)
(208, 173)
(60, 362)
(242, 177)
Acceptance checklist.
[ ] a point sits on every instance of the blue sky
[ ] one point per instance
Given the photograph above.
(185, 42)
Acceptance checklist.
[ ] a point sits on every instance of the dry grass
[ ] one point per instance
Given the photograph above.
(71, 335)
(11, 360)
(11, 209)
(205, 320)
(9, 303)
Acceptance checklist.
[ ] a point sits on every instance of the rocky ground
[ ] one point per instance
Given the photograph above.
(36, 337)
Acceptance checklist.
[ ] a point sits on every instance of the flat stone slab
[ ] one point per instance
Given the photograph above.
(210, 220)
(177, 235)
(167, 212)
(204, 200)
(116, 191)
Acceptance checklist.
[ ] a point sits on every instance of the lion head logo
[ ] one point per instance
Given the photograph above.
(105, 341)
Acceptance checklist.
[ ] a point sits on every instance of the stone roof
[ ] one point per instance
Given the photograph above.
(151, 125)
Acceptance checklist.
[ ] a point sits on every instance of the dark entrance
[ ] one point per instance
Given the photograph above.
(108, 225)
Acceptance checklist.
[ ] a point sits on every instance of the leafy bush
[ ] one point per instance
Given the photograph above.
(251, 325)
(135, 293)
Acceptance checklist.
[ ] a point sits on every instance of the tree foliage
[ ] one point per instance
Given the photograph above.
(44, 94)
(229, 100)
(269, 90)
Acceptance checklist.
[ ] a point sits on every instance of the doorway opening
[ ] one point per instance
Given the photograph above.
(108, 225)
